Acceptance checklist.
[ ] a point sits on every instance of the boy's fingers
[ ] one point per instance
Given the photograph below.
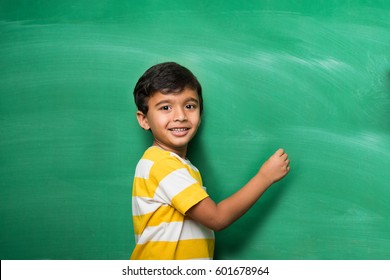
(282, 155)
(279, 152)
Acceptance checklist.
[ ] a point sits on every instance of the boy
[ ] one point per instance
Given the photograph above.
(173, 216)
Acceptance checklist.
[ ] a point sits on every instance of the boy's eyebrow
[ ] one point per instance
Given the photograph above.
(192, 99)
(162, 102)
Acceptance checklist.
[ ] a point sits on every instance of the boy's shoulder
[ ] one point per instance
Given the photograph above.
(161, 158)
(158, 155)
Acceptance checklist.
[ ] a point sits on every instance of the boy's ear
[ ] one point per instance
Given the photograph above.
(142, 120)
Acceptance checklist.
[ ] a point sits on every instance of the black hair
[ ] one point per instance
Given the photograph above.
(167, 78)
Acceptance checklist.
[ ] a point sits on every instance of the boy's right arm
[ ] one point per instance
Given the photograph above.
(221, 215)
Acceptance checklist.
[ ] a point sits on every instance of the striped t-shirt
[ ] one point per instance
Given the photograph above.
(165, 187)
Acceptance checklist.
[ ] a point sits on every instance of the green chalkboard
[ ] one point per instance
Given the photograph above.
(312, 77)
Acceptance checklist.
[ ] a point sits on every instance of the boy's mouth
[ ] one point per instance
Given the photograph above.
(179, 131)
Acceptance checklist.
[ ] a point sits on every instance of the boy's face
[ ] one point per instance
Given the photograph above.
(173, 119)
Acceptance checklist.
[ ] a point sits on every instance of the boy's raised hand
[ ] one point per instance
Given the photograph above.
(276, 167)
(218, 216)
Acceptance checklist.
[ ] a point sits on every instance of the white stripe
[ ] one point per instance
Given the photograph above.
(144, 205)
(185, 162)
(174, 231)
(174, 183)
(194, 230)
(143, 168)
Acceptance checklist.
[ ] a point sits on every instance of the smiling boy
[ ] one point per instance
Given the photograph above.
(173, 119)
(173, 216)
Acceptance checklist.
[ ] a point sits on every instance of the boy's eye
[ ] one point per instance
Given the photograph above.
(165, 108)
(190, 106)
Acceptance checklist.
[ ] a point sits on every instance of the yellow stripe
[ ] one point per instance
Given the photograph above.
(164, 214)
(187, 198)
(144, 187)
(163, 168)
(184, 249)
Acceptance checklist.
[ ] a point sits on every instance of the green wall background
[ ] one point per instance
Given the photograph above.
(312, 77)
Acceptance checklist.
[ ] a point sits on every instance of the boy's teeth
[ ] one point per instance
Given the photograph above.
(179, 129)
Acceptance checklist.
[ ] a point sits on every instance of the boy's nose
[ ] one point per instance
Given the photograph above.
(180, 115)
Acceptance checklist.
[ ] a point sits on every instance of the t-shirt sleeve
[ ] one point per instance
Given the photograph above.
(176, 186)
